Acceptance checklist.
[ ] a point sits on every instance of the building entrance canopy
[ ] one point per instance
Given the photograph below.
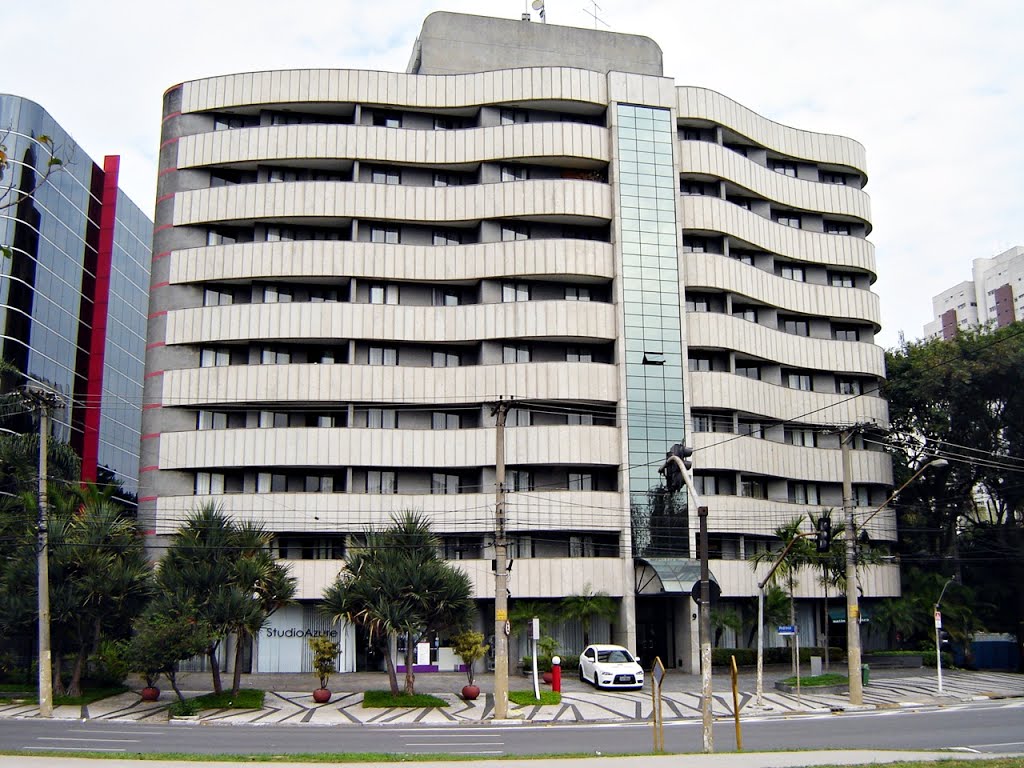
(670, 575)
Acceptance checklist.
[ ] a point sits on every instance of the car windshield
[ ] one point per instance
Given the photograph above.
(614, 657)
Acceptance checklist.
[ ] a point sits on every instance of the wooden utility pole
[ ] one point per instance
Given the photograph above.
(501, 626)
(852, 602)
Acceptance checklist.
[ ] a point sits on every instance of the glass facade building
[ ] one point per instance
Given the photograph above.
(74, 287)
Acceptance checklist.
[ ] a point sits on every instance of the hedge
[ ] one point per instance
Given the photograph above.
(747, 657)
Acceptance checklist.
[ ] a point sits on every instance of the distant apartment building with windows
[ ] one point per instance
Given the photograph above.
(995, 297)
(354, 267)
(74, 289)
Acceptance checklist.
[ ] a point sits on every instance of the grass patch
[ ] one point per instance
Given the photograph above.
(384, 699)
(247, 698)
(526, 698)
(16, 687)
(812, 681)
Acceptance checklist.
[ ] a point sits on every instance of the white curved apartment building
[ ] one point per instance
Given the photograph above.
(352, 268)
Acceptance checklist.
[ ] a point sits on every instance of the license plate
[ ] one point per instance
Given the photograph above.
(624, 679)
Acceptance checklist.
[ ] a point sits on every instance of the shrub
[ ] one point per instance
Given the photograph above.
(186, 708)
(928, 659)
(325, 651)
(108, 667)
(747, 657)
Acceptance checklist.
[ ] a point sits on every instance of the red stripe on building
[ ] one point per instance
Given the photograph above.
(149, 469)
(169, 141)
(151, 406)
(100, 308)
(151, 435)
(161, 255)
(144, 499)
(156, 344)
(161, 313)
(154, 373)
(152, 531)
(164, 284)
(161, 228)
(165, 171)
(168, 196)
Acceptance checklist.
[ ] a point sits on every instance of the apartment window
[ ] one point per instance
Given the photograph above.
(447, 123)
(445, 360)
(519, 480)
(385, 176)
(271, 356)
(217, 238)
(845, 386)
(441, 483)
(845, 333)
(272, 294)
(268, 419)
(515, 353)
(804, 493)
(749, 371)
(519, 417)
(806, 438)
(447, 237)
(318, 484)
(384, 235)
(745, 313)
(792, 273)
(513, 116)
(387, 119)
(442, 420)
(751, 429)
(693, 188)
(796, 327)
(444, 297)
(581, 546)
(701, 423)
(801, 381)
(211, 420)
(698, 363)
(754, 488)
(861, 495)
(382, 356)
(209, 483)
(515, 292)
(215, 298)
(832, 178)
(381, 481)
(579, 355)
(514, 173)
(691, 134)
(214, 358)
(580, 419)
(841, 279)
(577, 293)
(384, 293)
(837, 228)
(381, 418)
(706, 485)
(271, 482)
(788, 220)
(515, 232)
(743, 257)
(280, 234)
(279, 175)
(786, 169)
(323, 295)
(697, 304)
(447, 180)
(694, 244)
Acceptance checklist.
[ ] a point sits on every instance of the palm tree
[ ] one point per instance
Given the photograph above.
(587, 606)
(800, 554)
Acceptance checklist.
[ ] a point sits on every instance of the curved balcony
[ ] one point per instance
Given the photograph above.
(705, 104)
(552, 258)
(738, 579)
(325, 86)
(712, 214)
(551, 200)
(727, 391)
(766, 457)
(402, 146)
(533, 320)
(714, 271)
(542, 509)
(715, 160)
(720, 331)
(310, 383)
(323, 447)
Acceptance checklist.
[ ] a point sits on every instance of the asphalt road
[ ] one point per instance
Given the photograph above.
(989, 727)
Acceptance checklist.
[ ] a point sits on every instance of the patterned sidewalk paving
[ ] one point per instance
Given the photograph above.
(579, 704)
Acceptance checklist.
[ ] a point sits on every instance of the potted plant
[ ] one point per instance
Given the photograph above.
(546, 648)
(469, 646)
(325, 651)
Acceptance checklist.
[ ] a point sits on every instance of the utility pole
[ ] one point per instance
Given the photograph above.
(43, 400)
(852, 605)
(501, 626)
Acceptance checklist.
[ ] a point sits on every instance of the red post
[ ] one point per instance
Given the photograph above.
(556, 674)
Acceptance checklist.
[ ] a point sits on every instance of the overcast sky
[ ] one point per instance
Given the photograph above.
(934, 89)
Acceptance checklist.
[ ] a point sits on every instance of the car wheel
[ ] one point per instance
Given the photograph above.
(582, 678)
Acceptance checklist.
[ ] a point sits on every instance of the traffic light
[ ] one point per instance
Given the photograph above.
(673, 474)
(684, 453)
(944, 639)
(824, 538)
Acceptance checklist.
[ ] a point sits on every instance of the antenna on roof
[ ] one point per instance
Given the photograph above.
(593, 13)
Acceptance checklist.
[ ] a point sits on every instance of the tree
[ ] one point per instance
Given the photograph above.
(395, 583)
(469, 646)
(800, 555)
(723, 619)
(587, 606)
(225, 572)
(14, 195)
(161, 640)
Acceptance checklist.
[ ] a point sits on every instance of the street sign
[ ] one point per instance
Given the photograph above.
(658, 671)
(938, 619)
(787, 629)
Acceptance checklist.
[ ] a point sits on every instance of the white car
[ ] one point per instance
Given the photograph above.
(610, 666)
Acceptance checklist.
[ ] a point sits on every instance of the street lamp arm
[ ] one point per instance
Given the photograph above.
(782, 556)
(936, 462)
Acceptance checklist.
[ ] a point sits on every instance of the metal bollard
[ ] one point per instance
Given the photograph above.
(556, 674)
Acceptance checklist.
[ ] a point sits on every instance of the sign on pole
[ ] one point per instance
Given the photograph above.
(657, 675)
(938, 619)
(787, 629)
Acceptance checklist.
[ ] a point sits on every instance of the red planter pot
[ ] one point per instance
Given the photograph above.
(321, 695)
(547, 677)
(150, 693)
(470, 692)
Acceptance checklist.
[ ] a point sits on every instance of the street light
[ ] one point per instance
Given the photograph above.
(938, 633)
(853, 655)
